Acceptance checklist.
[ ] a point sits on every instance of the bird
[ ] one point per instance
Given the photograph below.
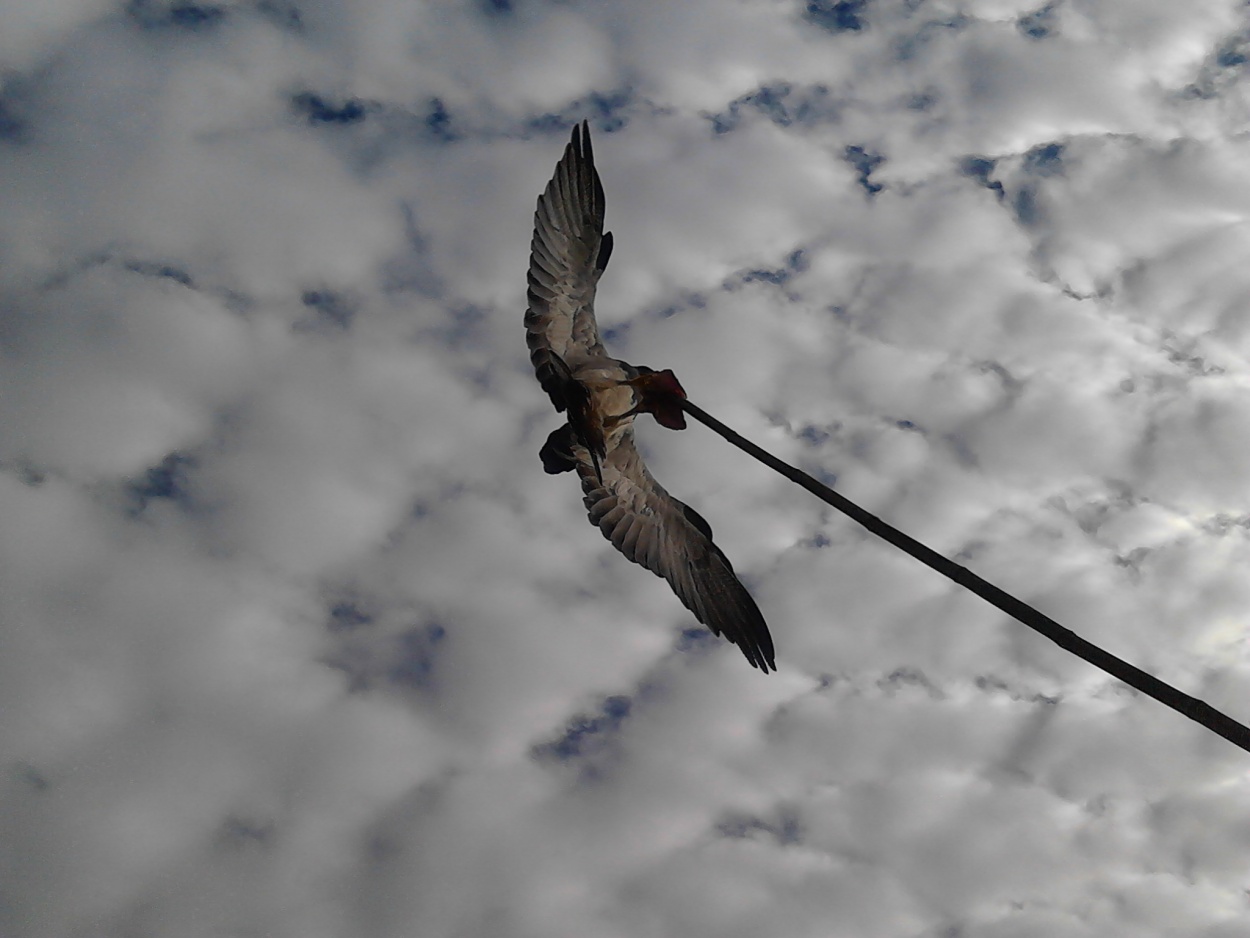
(602, 396)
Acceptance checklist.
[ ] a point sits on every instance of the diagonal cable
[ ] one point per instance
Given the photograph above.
(1198, 711)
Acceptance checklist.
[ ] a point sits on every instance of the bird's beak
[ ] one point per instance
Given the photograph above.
(660, 394)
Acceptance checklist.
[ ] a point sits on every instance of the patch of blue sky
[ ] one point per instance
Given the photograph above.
(586, 734)
(782, 103)
(167, 481)
(180, 14)
(319, 109)
(1039, 24)
(607, 111)
(838, 16)
(980, 168)
(1044, 160)
(331, 308)
(865, 163)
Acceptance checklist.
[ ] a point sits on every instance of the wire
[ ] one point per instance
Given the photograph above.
(1236, 733)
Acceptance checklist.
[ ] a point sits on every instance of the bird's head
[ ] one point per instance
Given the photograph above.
(660, 394)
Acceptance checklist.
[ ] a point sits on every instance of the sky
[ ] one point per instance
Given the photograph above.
(297, 639)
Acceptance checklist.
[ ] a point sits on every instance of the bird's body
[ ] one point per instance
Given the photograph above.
(602, 396)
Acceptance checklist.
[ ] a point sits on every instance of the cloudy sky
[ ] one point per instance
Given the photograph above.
(298, 640)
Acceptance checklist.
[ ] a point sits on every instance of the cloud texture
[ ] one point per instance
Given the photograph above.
(296, 639)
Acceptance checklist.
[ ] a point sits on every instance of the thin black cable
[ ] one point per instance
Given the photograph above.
(1198, 711)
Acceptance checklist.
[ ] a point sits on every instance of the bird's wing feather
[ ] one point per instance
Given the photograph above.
(567, 255)
(672, 540)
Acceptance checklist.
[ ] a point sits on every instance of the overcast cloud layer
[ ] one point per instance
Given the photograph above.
(297, 639)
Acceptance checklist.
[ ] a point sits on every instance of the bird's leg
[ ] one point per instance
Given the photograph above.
(554, 375)
(586, 425)
(569, 394)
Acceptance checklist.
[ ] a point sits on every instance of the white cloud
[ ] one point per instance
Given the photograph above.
(298, 639)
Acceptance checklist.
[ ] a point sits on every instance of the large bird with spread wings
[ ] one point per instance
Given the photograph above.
(602, 395)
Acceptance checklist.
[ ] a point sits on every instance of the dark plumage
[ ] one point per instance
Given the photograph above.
(602, 395)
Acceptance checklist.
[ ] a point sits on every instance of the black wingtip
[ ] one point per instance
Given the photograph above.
(605, 252)
(760, 653)
(735, 613)
(579, 142)
(746, 628)
(765, 661)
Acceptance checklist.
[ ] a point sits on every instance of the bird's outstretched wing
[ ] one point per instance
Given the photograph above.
(567, 255)
(672, 540)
